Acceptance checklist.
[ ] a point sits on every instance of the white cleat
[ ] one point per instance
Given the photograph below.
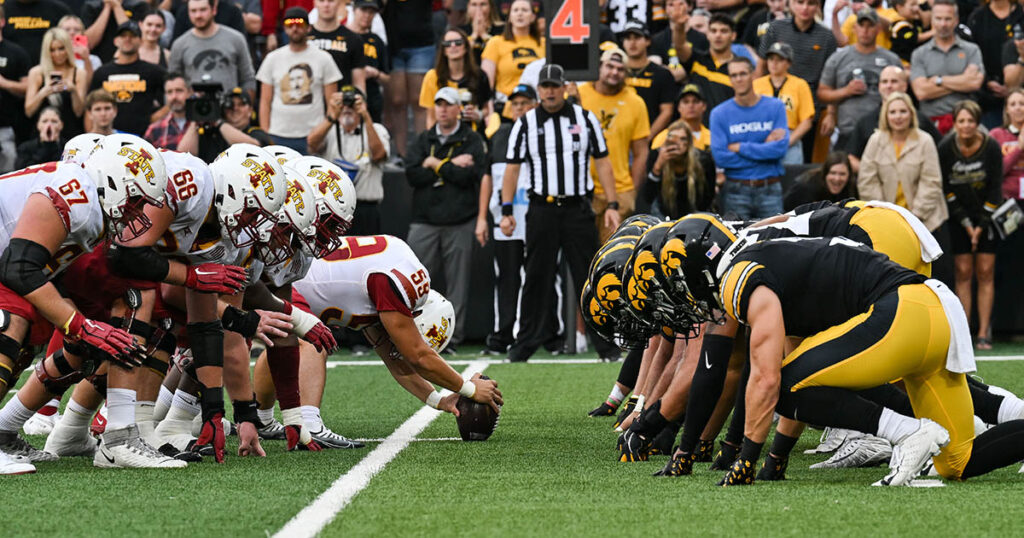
(65, 441)
(177, 433)
(14, 445)
(912, 454)
(124, 448)
(40, 424)
(832, 439)
(10, 466)
(864, 451)
(328, 439)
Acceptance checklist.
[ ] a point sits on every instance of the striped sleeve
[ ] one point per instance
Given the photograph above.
(736, 287)
(598, 147)
(516, 152)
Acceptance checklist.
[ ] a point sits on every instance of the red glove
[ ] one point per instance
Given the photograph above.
(216, 278)
(294, 435)
(118, 344)
(310, 328)
(213, 432)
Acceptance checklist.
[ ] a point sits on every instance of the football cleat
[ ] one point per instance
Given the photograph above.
(40, 424)
(831, 439)
(635, 447)
(187, 456)
(177, 433)
(606, 409)
(866, 451)
(11, 466)
(298, 438)
(911, 454)
(66, 441)
(681, 464)
(14, 445)
(740, 474)
(328, 439)
(727, 454)
(125, 448)
(273, 431)
(705, 451)
(773, 469)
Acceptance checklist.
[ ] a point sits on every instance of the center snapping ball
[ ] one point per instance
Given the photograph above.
(476, 421)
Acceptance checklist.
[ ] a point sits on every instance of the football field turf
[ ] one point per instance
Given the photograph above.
(548, 470)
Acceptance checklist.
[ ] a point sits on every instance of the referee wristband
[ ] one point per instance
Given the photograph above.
(506, 209)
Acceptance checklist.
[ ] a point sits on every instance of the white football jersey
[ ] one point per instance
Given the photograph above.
(73, 194)
(288, 271)
(335, 287)
(190, 197)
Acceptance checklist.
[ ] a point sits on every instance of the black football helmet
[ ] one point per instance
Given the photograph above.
(635, 225)
(594, 315)
(689, 257)
(606, 279)
(646, 287)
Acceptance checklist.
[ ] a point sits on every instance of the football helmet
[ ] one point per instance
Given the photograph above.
(250, 188)
(129, 173)
(294, 224)
(594, 315)
(283, 154)
(335, 201)
(78, 149)
(635, 225)
(689, 257)
(436, 321)
(646, 287)
(632, 331)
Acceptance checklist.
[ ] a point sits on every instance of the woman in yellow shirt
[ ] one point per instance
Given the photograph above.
(455, 67)
(506, 55)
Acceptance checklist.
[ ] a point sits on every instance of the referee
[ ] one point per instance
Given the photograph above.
(555, 141)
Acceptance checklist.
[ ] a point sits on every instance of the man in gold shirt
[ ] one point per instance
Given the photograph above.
(623, 117)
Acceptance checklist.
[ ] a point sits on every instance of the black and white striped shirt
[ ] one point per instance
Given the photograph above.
(555, 148)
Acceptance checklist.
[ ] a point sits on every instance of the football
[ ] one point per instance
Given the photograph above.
(476, 421)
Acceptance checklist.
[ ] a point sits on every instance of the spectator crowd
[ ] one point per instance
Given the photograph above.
(704, 105)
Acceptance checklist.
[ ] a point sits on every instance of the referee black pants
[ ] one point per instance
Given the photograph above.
(550, 228)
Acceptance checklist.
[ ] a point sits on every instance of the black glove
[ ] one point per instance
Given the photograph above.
(681, 464)
(606, 409)
(705, 451)
(626, 410)
(741, 473)
(635, 447)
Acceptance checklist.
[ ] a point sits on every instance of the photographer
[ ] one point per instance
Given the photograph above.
(341, 135)
(227, 123)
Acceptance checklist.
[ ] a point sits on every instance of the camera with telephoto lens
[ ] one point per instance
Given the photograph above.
(206, 105)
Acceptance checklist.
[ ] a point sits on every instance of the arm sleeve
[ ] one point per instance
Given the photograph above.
(517, 148)
(598, 146)
(383, 295)
(246, 74)
(805, 106)
(465, 176)
(828, 73)
(414, 173)
(917, 65)
(929, 184)
(724, 157)
(869, 185)
(428, 89)
(766, 40)
(271, 8)
(974, 57)
(769, 151)
(956, 208)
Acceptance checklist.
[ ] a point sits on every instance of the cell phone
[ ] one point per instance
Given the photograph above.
(81, 40)
(55, 78)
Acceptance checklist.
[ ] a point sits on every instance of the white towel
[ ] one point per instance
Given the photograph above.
(930, 249)
(960, 357)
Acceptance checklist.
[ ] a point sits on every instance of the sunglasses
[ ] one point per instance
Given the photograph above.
(453, 43)
(294, 22)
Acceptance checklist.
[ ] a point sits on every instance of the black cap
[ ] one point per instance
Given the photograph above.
(523, 90)
(241, 94)
(782, 50)
(551, 74)
(691, 89)
(296, 12)
(129, 26)
(368, 4)
(634, 26)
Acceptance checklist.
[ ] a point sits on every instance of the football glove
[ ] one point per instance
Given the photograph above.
(774, 468)
(705, 451)
(740, 474)
(215, 278)
(635, 447)
(310, 328)
(295, 431)
(606, 409)
(212, 433)
(681, 464)
(114, 344)
(727, 453)
(626, 410)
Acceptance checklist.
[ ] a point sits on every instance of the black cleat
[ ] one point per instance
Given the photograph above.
(705, 451)
(727, 454)
(681, 464)
(774, 468)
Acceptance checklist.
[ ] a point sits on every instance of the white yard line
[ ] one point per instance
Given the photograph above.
(995, 358)
(467, 362)
(318, 514)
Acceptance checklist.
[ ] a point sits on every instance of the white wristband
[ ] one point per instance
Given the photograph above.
(468, 389)
(302, 322)
(433, 399)
(639, 404)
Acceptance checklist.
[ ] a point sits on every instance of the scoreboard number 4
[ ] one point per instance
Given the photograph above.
(568, 23)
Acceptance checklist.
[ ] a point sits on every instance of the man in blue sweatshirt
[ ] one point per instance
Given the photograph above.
(749, 138)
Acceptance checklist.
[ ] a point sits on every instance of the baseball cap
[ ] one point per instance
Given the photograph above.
(129, 26)
(523, 90)
(691, 89)
(296, 12)
(448, 95)
(867, 14)
(613, 55)
(782, 50)
(634, 26)
(551, 74)
(368, 4)
(241, 94)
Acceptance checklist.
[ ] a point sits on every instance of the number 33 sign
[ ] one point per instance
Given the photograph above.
(573, 37)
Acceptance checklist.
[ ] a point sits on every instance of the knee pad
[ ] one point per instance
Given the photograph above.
(134, 327)
(158, 366)
(207, 342)
(11, 349)
(99, 381)
(66, 374)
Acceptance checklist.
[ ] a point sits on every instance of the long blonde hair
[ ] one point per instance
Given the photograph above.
(46, 59)
(690, 161)
(883, 116)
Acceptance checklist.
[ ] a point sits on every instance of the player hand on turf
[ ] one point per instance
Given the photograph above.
(249, 440)
(740, 474)
(635, 447)
(212, 433)
(448, 404)
(487, 392)
(118, 344)
(215, 278)
(273, 325)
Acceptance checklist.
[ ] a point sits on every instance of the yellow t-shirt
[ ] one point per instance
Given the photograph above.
(701, 140)
(510, 58)
(623, 119)
(429, 89)
(883, 40)
(795, 94)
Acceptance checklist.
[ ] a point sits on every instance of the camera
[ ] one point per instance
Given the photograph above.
(206, 106)
(348, 96)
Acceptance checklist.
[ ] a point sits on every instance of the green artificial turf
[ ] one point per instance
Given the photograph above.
(548, 471)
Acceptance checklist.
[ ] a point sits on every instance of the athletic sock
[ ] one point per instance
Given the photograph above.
(782, 445)
(311, 416)
(616, 396)
(896, 427)
(14, 415)
(630, 368)
(120, 408)
(998, 447)
(1012, 408)
(706, 388)
(185, 406)
(265, 415)
(284, 370)
(144, 411)
(77, 415)
(163, 403)
(50, 408)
